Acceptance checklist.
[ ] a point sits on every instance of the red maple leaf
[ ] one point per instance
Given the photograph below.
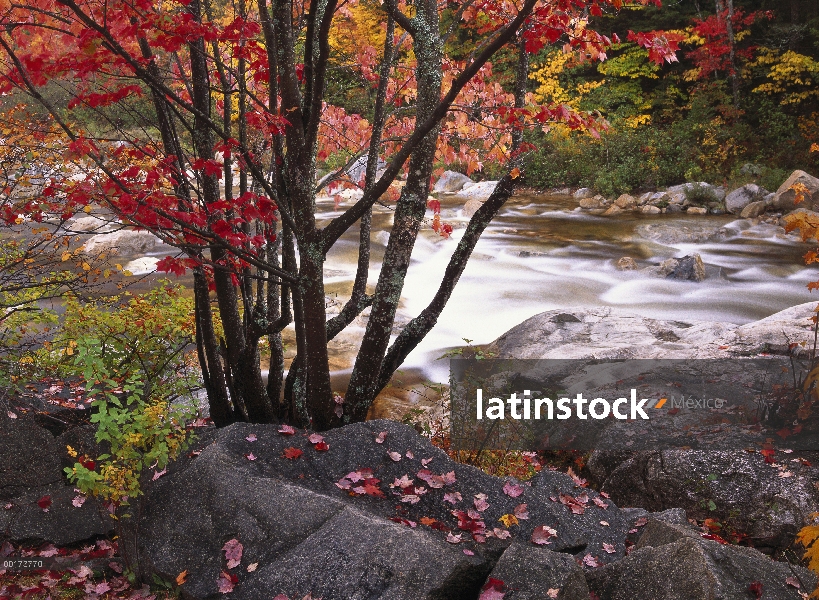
(44, 502)
(292, 453)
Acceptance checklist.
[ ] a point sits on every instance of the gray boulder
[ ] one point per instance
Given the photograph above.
(688, 268)
(29, 456)
(686, 188)
(697, 569)
(741, 197)
(769, 503)
(125, 242)
(753, 210)
(785, 198)
(687, 233)
(309, 536)
(479, 191)
(61, 522)
(583, 193)
(450, 181)
(532, 573)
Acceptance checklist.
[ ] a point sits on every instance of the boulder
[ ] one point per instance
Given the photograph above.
(693, 568)
(677, 233)
(687, 188)
(650, 209)
(753, 210)
(471, 207)
(450, 181)
(92, 225)
(142, 265)
(627, 264)
(25, 520)
(29, 456)
(736, 487)
(479, 191)
(798, 215)
(741, 197)
(590, 203)
(644, 198)
(607, 332)
(785, 198)
(612, 210)
(625, 201)
(126, 242)
(696, 210)
(583, 193)
(532, 573)
(309, 536)
(688, 268)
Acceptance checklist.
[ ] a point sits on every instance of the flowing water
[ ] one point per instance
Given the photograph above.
(542, 253)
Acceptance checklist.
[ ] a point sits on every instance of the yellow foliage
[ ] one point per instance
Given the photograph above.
(508, 520)
(808, 537)
(359, 24)
(793, 75)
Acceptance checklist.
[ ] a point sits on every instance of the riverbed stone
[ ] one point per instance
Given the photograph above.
(687, 233)
(627, 263)
(450, 181)
(741, 197)
(650, 209)
(479, 191)
(612, 210)
(590, 203)
(126, 242)
(688, 268)
(696, 210)
(785, 198)
(583, 193)
(753, 209)
(625, 201)
(800, 214)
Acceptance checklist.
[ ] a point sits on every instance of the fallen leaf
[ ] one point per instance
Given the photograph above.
(600, 503)
(225, 583)
(292, 453)
(453, 539)
(78, 501)
(158, 474)
(409, 454)
(469, 552)
(180, 579)
(250, 456)
(321, 447)
(287, 430)
(609, 548)
(521, 511)
(493, 590)
(453, 498)
(251, 437)
(396, 456)
(233, 553)
(604, 523)
(381, 437)
(541, 535)
(425, 461)
(591, 561)
(512, 490)
(508, 520)
(785, 474)
(49, 551)
(793, 582)
(552, 592)
(11, 415)
(315, 438)
(480, 502)
(252, 567)
(44, 503)
(501, 534)
(102, 588)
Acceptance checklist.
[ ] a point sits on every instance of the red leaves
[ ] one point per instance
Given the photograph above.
(226, 582)
(368, 484)
(173, 265)
(44, 503)
(436, 481)
(493, 589)
(96, 100)
(576, 505)
(661, 45)
(292, 453)
(512, 490)
(541, 535)
(755, 589)
(286, 430)
(318, 442)
(233, 553)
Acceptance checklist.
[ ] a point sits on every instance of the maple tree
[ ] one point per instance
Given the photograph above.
(228, 112)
